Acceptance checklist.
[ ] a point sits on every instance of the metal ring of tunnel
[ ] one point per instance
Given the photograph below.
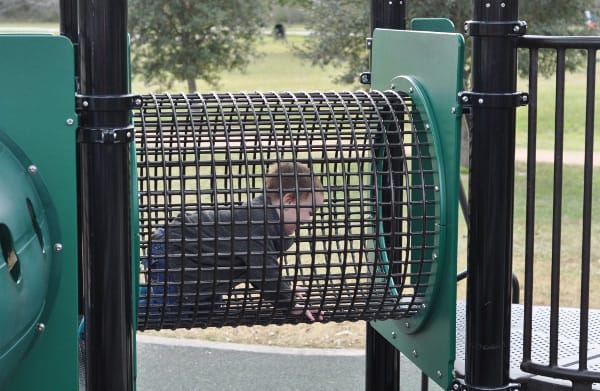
(367, 251)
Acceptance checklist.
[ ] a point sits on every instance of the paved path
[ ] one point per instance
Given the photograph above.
(545, 156)
(189, 365)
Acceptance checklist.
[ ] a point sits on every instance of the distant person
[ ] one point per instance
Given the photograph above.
(210, 252)
(279, 31)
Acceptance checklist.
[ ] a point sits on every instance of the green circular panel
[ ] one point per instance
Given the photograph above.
(25, 255)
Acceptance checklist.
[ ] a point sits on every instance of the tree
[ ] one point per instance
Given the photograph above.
(338, 29)
(190, 40)
(29, 10)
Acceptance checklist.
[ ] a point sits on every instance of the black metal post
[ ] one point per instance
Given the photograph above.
(493, 102)
(382, 358)
(103, 138)
(388, 14)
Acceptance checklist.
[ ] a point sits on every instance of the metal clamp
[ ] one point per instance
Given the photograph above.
(508, 100)
(459, 385)
(495, 29)
(105, 136)
(107, 102)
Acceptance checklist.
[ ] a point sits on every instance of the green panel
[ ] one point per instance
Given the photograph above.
(431, 63)
(37, 113)
(440, 25)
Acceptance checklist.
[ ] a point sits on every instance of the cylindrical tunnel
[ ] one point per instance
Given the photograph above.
(217, 244)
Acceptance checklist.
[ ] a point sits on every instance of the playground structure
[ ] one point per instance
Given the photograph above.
(382, 247)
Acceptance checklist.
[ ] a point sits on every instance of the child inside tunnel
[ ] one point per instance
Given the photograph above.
(197, 259)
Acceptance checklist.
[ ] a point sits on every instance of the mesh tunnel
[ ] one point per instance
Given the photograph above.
(214, 250)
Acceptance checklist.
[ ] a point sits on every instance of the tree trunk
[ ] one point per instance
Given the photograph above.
(192, 85)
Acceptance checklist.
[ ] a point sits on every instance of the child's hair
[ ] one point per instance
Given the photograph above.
(291, 177)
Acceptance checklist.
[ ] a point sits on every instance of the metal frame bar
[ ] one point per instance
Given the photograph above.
(381, 355)
(105, 197)
(491, 204)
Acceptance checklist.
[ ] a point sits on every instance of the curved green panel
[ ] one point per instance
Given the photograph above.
(428, 66)
(26, 257)
(38, 122)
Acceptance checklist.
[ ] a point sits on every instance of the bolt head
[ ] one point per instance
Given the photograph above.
(70, 121)
(41, 327)
(85, 103)
(517, 28)
(32, 169)
(58, 247)
(480, 101)
(465, 98)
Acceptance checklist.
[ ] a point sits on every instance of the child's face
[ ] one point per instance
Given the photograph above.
(295, 213)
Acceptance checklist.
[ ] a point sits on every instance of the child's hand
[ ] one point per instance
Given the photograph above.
(312, 315)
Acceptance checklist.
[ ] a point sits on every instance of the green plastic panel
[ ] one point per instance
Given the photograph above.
(429, 67)
(37, 115)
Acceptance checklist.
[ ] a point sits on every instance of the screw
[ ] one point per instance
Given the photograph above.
(436, 188)
(394, 335)
(423, 306)
(32, 169)
(502, 5)
(393, 86)
(58, 247)
(411, 90)
(487, 5)
(465, 98)
(41, 327)
(434, 256)
(453, 110)
(516, 28)
(480, 101)
(439, 373)
(128, 134)
(70, 121)
(138, 102)
(415, 354)
(427, 126)
(85, 103)
(407, 325)
(455, 387)
(115, 136)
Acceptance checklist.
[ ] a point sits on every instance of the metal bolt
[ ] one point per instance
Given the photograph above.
(411, 90)
(394, 335)
(58, 247)
(114, 136)
(524, 98)
(465, 98)
(436, 188)
(453, 110)
(480, 101)
(128, 134)
(502, 5)
(85, 103)
(423, 306)
(415, 354)
(434, 256)
(393, 86)
(70, 121)
(427, 126)
(407, 325)
(455, 387)
(138, 102)
(41, 327)
(439, 373)
(32, 169)
(516, 28)
(487, 5)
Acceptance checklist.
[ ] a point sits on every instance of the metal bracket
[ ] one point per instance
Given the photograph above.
(105, 136)
(107, 102)
(508, 100)
(365, 78)
(459, 385)
(495, 29)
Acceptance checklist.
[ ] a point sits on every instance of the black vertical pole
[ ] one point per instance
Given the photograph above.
(382, 358)
(491, 183)
(103, 138)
